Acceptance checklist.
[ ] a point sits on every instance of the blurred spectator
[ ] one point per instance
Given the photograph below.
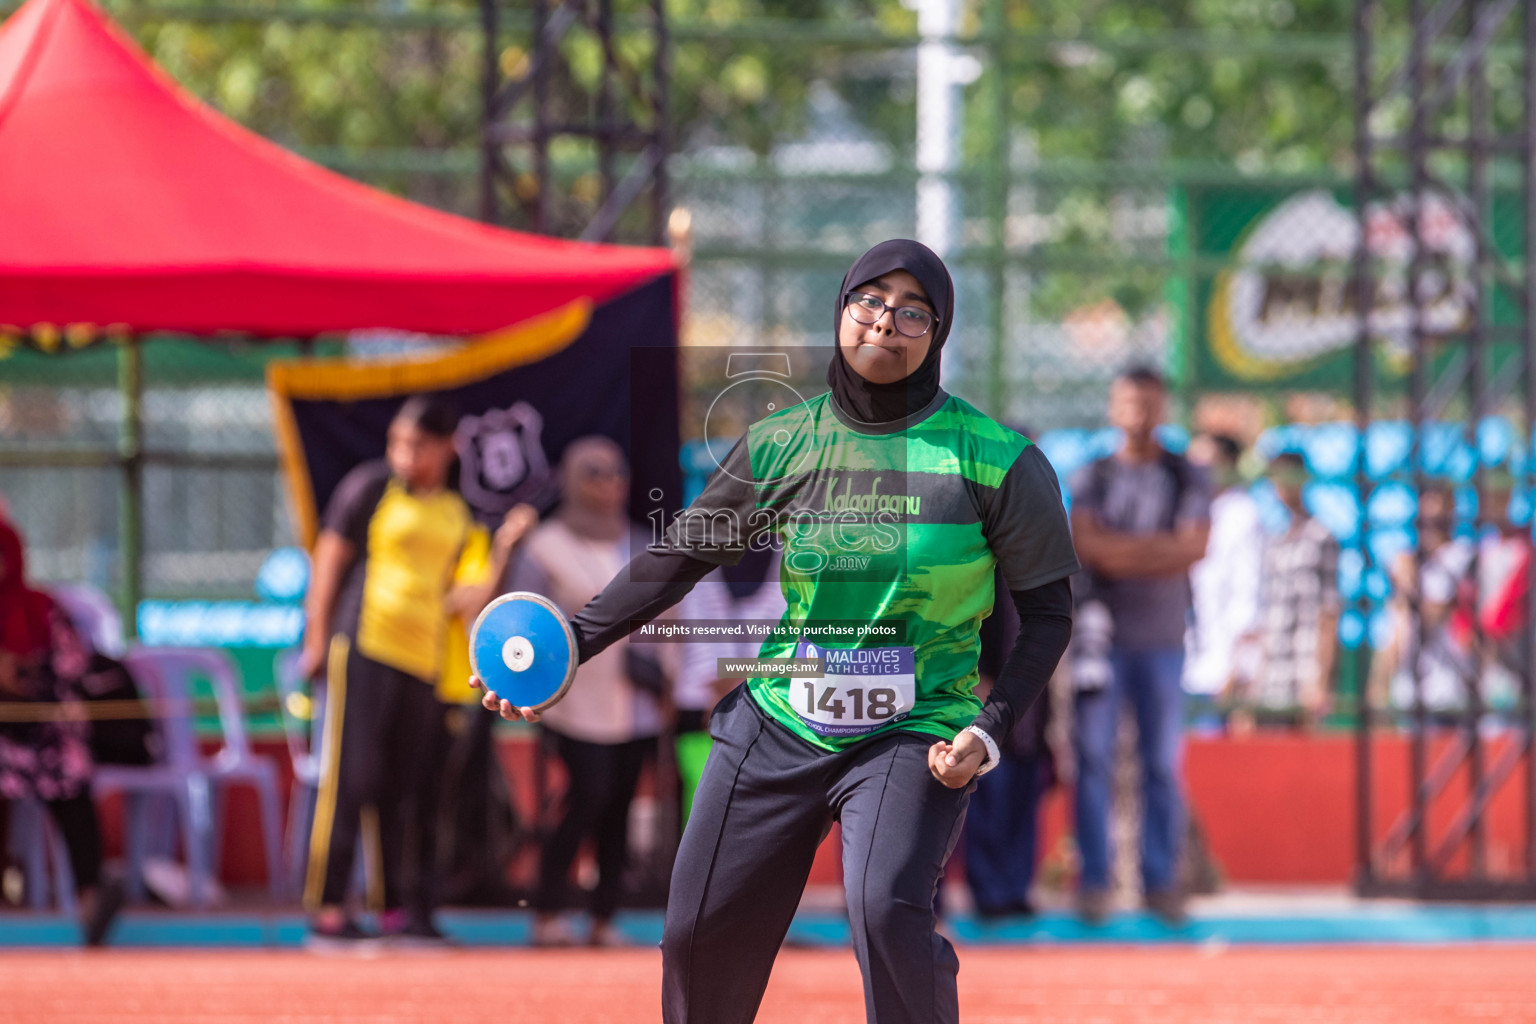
(1002, 824)
(1140, 519)
(1442, 589)
(478, 828)
(1504, 589)
(49, 760)
(477, 831)
(1298, 624)
(748, 591)
(1225, 583)
(386, 581)
(1455, 609)
(607, 725)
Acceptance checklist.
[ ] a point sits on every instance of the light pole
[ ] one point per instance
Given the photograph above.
(943, 70)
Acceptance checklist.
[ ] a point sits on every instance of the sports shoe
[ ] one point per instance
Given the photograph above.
(606, 936)
(1167, 905)
(1093, 906)
(552, 933)
(347, 937)
(419, 935)
(97, 915)
(1015, 908)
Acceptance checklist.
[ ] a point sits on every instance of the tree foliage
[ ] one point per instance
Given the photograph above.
(1093, 93)
(1261, 87)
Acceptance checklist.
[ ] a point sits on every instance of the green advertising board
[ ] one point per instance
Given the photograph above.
(1267, 300)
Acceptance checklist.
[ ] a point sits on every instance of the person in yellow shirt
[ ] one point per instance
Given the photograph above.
(388, 579)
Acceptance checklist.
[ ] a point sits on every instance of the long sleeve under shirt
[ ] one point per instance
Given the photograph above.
(656, 580)
(952, 486)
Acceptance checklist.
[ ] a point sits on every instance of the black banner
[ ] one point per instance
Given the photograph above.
(617, 376)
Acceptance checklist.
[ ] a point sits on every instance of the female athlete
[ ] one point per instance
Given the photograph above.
(894, 501)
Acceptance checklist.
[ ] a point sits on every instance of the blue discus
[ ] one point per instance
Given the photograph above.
(523, 648)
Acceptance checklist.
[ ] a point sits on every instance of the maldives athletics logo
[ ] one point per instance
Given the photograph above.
(1290, 301)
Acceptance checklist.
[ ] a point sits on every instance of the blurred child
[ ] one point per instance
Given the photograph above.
(1298, 620)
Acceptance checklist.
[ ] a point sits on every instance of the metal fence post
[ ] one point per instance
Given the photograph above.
(490, 77)
(130, 451)
(1526, 731)
(997, 213)
(1363, 286)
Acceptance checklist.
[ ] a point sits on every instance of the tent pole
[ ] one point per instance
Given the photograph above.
(130, 451)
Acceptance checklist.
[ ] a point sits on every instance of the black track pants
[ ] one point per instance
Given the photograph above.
(383, 738)
(766, 801)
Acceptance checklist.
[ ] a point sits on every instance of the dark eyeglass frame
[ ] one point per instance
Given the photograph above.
(850, 304)
(602, 473)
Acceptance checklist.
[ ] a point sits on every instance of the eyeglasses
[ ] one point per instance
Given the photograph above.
(913, 321)
(602, 473)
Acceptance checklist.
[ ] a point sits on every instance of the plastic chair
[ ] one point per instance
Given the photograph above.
(235, 763)
(93, 615)
(179, 775)
(36, 841)
(301, 730)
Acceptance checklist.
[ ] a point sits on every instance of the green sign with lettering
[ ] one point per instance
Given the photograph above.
(1268, 298)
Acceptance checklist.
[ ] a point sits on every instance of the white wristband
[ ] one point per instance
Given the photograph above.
(993, 754)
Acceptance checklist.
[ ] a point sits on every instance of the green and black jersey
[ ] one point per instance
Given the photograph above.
(899, 525)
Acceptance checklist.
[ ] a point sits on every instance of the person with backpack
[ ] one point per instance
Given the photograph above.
(1140, 519)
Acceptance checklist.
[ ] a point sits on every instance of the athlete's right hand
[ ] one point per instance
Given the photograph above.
(955, 764)
(491, 702)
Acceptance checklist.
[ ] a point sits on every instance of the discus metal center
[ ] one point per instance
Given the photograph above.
(517, 653)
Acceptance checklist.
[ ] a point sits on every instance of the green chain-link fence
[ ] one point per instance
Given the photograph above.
(1114, 161)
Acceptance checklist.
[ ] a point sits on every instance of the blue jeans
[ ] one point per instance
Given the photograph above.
(1150, 681)
(1000, 833)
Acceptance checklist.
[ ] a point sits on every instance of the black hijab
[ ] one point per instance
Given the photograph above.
(868, 402)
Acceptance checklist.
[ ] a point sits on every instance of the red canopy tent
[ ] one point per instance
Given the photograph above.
(130, 206)
(126, 201)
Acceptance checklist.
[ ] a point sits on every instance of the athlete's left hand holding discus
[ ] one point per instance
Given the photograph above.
(955, 764)
(514, 528)
(491, 702)
(523, 654)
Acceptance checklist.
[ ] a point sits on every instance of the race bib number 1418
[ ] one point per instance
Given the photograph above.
(863, 689)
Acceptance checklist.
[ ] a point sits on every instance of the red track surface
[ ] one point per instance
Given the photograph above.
(1099, 986)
